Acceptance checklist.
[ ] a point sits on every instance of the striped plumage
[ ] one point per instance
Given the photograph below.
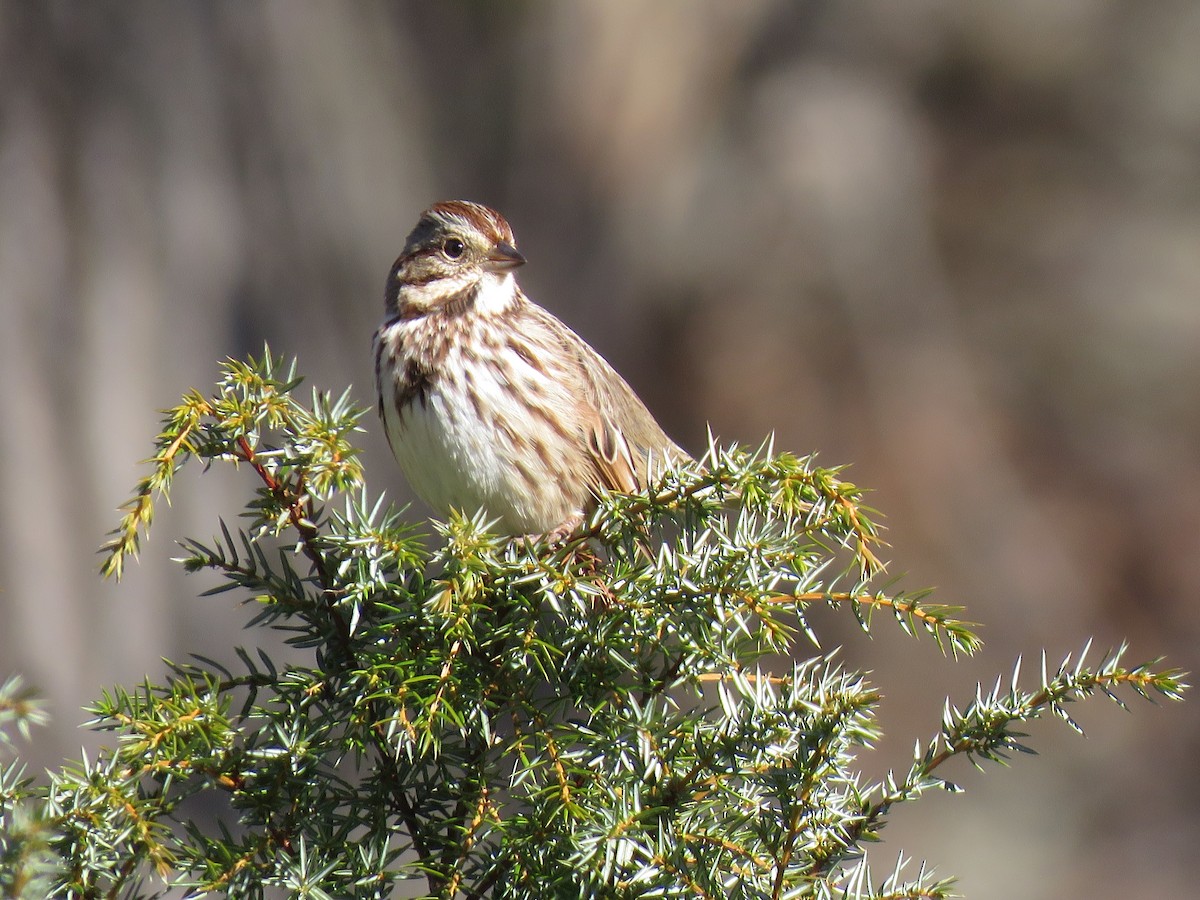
(490, 402)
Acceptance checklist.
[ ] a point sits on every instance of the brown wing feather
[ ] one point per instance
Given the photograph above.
(611, 457)
(623, 439)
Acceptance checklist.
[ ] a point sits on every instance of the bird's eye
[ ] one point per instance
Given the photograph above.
(453, 248)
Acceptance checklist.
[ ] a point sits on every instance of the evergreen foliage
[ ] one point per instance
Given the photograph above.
(487, 717)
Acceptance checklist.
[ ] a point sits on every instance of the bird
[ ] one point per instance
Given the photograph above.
(491, 403)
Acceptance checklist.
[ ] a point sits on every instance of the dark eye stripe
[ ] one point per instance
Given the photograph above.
(421, 253)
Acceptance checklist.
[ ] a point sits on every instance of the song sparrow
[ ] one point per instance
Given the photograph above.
(490, 402)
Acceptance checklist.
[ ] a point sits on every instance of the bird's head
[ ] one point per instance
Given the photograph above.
(459, 254)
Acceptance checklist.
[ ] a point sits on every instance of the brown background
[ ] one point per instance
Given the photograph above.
(955, 244)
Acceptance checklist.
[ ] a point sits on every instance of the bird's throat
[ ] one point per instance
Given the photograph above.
(496, 293)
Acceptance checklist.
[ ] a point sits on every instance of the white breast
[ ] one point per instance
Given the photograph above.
(455, 459)
(449, 457)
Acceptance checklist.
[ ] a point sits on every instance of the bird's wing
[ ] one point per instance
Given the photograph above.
(625, 443)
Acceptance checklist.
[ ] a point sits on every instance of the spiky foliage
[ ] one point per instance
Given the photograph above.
(486, 717)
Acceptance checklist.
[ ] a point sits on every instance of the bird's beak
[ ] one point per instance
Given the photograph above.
(503, 257)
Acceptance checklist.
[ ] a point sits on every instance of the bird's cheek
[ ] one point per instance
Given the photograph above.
(422, 296)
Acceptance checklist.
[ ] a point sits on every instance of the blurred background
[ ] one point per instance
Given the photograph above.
(956, 245)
